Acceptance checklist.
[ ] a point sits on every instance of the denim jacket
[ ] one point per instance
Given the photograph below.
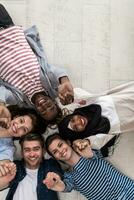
(46, 166)
(49, 74)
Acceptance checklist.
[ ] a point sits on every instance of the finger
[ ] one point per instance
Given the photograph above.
(53, 176)
(78, 151)
(48, 183)
(3, 170)
(62, 101)
(3, 124)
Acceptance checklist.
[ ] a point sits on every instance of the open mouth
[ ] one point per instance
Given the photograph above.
(64, 152)
(32, 159)
(14, 129)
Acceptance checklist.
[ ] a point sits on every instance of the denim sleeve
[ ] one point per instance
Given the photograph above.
(33, 38)
(6, 95)
(58, 71)
(7, 149)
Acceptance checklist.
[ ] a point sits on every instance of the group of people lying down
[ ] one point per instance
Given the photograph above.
(29, 88)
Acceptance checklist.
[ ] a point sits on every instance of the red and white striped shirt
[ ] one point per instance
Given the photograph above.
(18, 64)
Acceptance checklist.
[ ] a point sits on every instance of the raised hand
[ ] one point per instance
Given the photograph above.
(5, 117)
(65, 91)
(54, 182)
(83, 148)
(7, 173)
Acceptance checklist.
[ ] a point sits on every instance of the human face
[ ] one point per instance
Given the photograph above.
(32, 153)
(78, 123)
(46, 107)
(60, 150)
(21, 125)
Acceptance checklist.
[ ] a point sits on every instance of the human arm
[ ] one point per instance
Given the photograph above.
(10, 95)
(7, 174)
(53, 179)
(83, 148)
(65, 88)
(99, 140)
(54, 182)
(57, 76)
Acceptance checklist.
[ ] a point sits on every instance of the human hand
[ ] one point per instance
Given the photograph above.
(54, 182)
(83, 148)
(7, 168)
(7, 173)
(65, 91)
(5, 117)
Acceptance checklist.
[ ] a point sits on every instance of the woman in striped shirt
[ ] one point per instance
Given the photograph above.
(94, 177)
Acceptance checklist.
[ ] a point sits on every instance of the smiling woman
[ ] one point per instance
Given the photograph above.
(15, 122)
(84, 122)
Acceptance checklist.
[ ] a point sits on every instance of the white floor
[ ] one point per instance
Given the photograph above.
(94, 41)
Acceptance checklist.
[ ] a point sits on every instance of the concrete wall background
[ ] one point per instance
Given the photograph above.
(93, 39)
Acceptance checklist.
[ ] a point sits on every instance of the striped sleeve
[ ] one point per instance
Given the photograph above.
(68, 181)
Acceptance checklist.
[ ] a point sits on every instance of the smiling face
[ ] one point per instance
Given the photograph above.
(46, 107)
(21, 125)
(60, 149)
(32, 153)
(77, 123)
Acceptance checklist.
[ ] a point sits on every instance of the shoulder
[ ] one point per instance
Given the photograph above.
(19, 164)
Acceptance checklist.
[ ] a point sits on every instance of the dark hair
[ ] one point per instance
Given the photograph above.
(39, 124)
(49, 140)
(32, 137)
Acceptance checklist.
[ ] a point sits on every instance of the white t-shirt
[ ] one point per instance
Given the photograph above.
(26, 189)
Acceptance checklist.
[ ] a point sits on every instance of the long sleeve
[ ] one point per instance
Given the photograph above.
(68, 181)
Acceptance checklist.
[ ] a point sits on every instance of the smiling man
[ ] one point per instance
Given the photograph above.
(31, 170)
(26, 77)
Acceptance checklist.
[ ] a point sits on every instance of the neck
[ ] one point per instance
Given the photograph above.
(74, 159)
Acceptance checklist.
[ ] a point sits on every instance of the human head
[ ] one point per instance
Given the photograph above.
(27, 119)
(72, 127)
(58, 148)
(83, 122)
(33, 149)
(46, 107)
